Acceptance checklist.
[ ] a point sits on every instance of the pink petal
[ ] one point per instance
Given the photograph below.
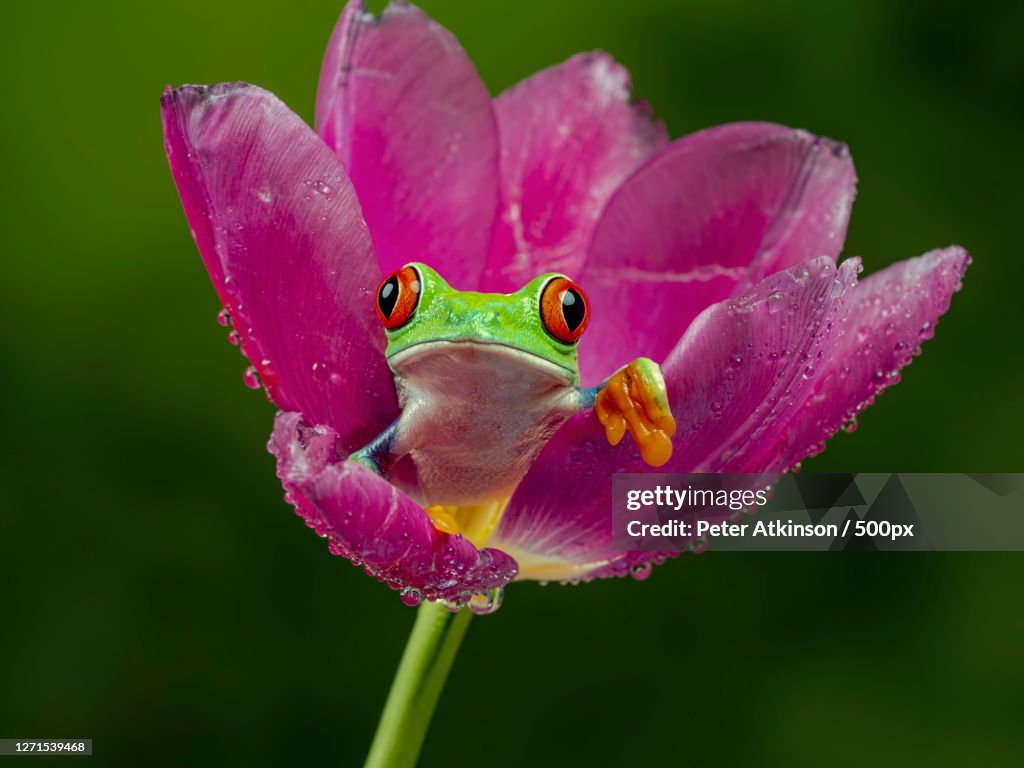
(892, 313)
(707, 218)
(733, 383)
(569, 136)
(747, 364)
(279, 229)
(372, 523)
(558, 523)
(401, 104)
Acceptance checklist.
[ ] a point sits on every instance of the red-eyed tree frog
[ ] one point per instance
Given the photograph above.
(485, 379)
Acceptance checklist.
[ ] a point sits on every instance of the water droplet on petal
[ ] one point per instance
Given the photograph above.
(223, 318)
(336, 548)
(699, 545)
(850, 426)
(483, 603)
(411, 596)
(234, 339)
(251, 378)
(641, 571)
(454, 606)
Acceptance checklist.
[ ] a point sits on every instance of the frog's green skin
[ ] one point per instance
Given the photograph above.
(482, 386)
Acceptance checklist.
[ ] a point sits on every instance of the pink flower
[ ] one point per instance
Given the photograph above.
(714, 253)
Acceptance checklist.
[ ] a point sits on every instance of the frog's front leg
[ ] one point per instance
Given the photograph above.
(379, 454)
(635, 399)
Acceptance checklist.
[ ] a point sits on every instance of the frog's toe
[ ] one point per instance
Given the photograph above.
(635, 399)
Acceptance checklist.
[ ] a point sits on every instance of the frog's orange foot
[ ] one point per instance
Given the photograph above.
(635, 399)
(442, 519)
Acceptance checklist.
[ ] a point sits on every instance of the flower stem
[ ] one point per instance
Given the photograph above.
(428, 656)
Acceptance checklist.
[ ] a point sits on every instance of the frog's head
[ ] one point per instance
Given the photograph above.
(538, 325)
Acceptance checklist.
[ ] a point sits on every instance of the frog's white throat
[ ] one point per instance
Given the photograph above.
(476, 414)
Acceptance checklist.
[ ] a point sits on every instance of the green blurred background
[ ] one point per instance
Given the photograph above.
(158, 596)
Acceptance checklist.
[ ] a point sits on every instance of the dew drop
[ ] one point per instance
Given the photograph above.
(335, 548)
(741, 306)
(223, 318)
(699, 546)
(641, 571)
(850, 426)
(234, 339)
(411, 596)
(483, 603)
(251, 378)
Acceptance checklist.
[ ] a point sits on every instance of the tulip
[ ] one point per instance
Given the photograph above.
(715, 253)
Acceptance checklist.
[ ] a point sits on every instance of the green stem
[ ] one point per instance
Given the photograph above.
(418, 682)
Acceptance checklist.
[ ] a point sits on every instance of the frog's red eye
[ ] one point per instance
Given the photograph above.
(564, 309)
(397, 297)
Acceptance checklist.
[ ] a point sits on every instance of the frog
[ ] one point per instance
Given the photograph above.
(483, 382)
